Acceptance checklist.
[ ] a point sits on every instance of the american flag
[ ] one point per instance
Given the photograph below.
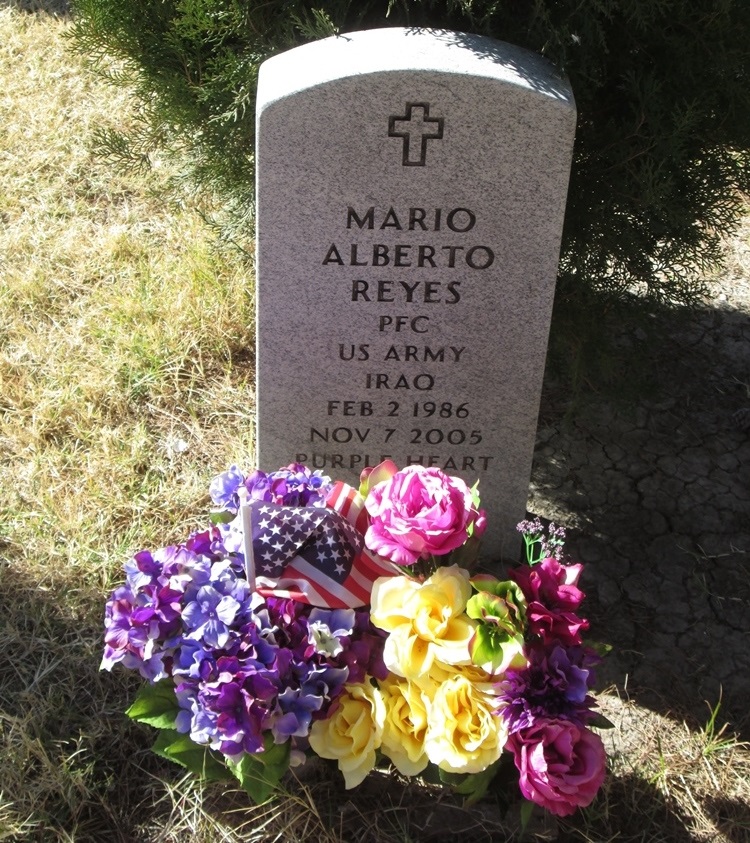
(316, 555)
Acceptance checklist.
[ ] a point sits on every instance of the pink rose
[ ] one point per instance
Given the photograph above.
(418, 512)
(562, 765)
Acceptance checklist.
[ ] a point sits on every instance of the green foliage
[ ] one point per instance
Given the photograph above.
(200, 760)
(259, 775)
(662, 89)
(155, 705)
(471, 785)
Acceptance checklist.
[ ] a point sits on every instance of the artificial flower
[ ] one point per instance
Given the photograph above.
(426, 621)
(555, 684)
(352, 733)
(372, 475)
(463, 734)
(405, 725)
(499, 608)
(553, 597)
(431, 676)
(561, 765)
(420, 512)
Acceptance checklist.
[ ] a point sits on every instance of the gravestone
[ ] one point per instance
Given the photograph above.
(411, 187)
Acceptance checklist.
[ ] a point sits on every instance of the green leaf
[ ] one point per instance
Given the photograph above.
(600, 648)
(380, 473)
(599, 721)
(527, 809)
(198, 759)
(260, 773)
(222, 516)
(471, 785)
(156, 705)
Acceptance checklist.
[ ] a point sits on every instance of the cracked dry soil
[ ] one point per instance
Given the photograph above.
(656, 497)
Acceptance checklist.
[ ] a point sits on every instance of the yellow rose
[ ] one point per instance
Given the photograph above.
(463, 735)
(388, 601)
(426, 622)
(481, 680)
(352, 733)
(405, 725)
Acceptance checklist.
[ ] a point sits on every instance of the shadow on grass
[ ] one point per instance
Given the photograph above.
(384, 809)
(731, 817)
(657, 494)
(74, 766)
(630, 809)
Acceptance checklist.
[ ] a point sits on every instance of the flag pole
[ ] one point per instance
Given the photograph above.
(247, 538)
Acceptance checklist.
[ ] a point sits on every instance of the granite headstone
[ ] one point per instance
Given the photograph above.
(411, 187)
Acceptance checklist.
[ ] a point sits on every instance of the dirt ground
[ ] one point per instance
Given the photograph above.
(656, 496)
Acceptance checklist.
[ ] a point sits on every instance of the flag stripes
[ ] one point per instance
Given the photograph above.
(317, 555)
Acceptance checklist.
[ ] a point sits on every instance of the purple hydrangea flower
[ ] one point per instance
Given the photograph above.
(209, 616)
(555, 684)
(295, 714)
(137, 622)
(243, 708)
(223, 488)
(142, 570)
(244, 666)
(326, 628)
(296, 485)
(258, 485)
(192, 660)
(325, 682)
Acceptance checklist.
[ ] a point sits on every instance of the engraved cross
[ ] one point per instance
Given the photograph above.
(416, 127)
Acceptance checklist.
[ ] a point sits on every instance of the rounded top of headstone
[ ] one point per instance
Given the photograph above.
(394, 49)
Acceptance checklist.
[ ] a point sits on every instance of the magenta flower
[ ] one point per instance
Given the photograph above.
(418, 513)
(550, 583)
(553, 626)
(553, 596)
(561, 765)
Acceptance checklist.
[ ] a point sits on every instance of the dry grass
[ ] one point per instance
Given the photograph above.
(671, 779)
(125, 384)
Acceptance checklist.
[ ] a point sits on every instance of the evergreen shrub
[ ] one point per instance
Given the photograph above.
(662, 89)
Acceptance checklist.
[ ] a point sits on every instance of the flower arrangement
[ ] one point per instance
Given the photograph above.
(311, 618)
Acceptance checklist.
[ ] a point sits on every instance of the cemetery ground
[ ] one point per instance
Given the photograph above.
(127, 382)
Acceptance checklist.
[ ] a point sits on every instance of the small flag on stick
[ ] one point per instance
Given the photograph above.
(314, 554)
(247, 538)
